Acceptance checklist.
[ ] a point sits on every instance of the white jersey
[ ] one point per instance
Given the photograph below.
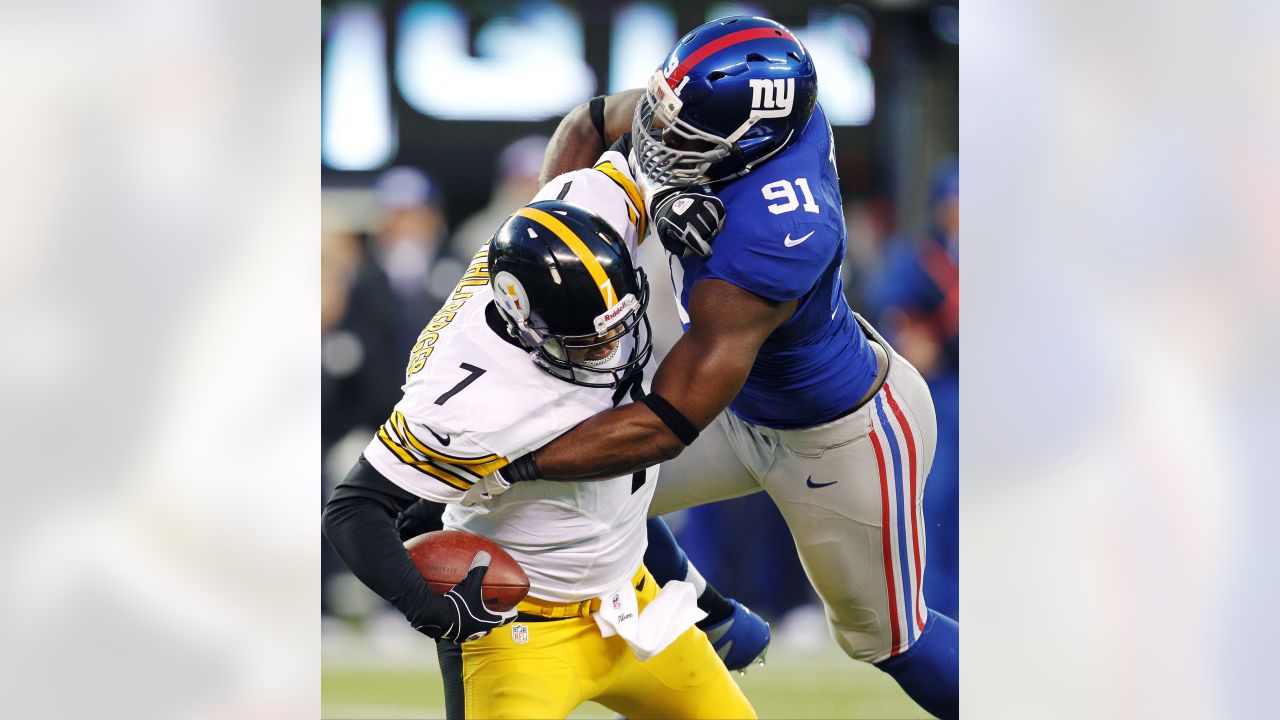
(473, 401)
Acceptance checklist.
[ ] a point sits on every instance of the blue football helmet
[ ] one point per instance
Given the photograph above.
(733, 93)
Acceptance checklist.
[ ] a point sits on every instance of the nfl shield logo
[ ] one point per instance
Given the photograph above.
(520, 633)
(616, 600)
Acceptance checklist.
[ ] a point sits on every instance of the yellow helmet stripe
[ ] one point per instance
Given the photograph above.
(562, 231)
(632, 192)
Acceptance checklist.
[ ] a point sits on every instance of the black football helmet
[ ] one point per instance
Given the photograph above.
(566, 285)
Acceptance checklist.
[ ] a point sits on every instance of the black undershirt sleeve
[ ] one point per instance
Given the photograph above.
(359, 521)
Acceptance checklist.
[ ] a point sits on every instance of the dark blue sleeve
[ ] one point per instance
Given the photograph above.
(753, 253)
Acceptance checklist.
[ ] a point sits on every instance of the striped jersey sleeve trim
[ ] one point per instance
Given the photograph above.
(426, 467)
(411, 451)
(479, 466)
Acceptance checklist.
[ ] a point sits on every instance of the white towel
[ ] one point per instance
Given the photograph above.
(648, 633)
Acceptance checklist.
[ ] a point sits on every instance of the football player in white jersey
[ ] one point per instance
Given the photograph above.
(546, 328)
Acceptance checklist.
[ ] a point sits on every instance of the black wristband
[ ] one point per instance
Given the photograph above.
(521, 469)
(671, 417)
(596, 109)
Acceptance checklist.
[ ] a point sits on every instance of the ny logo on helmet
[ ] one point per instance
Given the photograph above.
(773, 98)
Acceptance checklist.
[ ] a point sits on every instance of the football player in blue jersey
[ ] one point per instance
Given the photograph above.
(784, 388)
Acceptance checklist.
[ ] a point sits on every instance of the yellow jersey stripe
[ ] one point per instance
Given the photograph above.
(633, 193)
(424, 467)
(575, 244)
(464, 474)
(489, 467)
(402, 427)
(479, 466)
(454, 470)
(444, 476)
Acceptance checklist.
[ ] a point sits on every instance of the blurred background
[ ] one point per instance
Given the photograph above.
(435, 118)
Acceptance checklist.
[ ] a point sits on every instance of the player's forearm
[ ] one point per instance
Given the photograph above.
(702, 373)
(618, 442)
(578, 142)
(360, 524)
(575, 144)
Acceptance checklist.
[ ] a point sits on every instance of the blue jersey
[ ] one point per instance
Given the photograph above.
(784, 239)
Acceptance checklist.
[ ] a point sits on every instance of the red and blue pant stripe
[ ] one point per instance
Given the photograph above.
(901, 540)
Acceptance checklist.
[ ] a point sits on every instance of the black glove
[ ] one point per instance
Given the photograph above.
(460, 615)
(420, 518)
(688, 220)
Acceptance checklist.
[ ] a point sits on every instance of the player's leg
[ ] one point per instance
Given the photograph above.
(929, 669)
(450, 656)
(739, 636)
(532, 669)
(685, 680)
(706, 471)
(851, 492)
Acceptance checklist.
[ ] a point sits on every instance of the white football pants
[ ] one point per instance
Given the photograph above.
(850, 491)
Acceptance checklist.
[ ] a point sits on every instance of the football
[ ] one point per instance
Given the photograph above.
(444, 556)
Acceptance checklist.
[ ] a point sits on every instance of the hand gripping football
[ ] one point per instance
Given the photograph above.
(444, 556)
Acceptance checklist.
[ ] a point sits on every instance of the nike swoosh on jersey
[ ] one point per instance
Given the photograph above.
(443, 440)
(809, 481)
(792, 243)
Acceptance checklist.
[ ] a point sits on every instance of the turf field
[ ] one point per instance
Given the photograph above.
(799, 681)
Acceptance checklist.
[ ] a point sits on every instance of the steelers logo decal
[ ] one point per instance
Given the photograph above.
(510, 295)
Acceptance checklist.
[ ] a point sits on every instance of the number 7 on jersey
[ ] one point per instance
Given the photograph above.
(475, 373)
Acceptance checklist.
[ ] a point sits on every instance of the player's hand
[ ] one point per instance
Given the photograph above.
(522, 469)
(462, 616)
(485, 489)
(686, 221)
(418, 519)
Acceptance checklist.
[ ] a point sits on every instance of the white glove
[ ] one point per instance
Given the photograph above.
(486, 489)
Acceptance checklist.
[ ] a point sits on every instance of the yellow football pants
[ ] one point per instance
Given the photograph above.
(563, 663)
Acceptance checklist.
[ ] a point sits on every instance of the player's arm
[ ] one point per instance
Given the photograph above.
(359, 521)
(699, 377)
(585, 133)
